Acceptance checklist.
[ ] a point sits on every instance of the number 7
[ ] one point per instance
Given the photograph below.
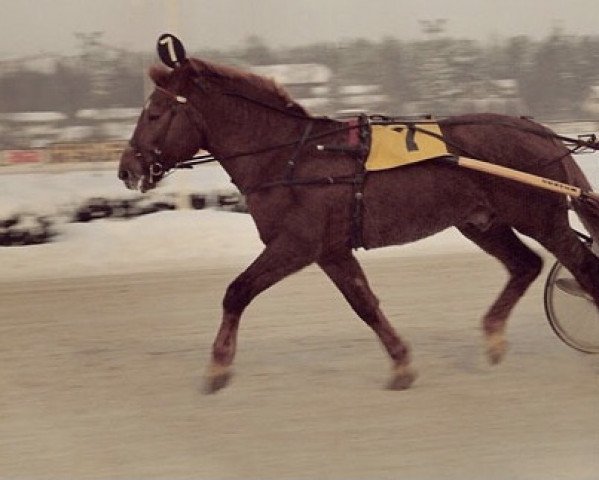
(411, 145)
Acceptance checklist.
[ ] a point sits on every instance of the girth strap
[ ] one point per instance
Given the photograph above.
(356, 234)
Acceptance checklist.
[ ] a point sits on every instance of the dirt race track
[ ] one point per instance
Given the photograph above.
(101, 378)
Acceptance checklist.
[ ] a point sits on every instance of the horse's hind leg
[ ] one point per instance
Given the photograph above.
(563, 242)
(345, 272)
(523, 266)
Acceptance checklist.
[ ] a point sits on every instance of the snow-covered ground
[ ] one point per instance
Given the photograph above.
(177, 239)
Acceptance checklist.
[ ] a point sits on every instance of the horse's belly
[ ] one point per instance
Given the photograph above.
(411, 203)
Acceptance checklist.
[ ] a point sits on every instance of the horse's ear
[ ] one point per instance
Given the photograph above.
(171, 50)
(159, 75)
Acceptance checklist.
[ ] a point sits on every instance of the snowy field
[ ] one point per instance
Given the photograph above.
(180, 239)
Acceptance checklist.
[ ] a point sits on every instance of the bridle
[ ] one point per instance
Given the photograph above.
(156, 166)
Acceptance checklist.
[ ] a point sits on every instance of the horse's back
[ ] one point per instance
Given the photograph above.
(514, 142)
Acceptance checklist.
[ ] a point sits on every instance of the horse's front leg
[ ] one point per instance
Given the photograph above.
(280, 258)
(345, 272)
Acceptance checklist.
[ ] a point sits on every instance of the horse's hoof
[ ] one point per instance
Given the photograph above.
(403, 377)
(217, 378)
(496, 348)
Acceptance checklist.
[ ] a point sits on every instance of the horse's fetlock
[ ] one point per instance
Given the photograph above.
(496, 347)
(222, 356)
(494, 325)
(400, 355)
(217, 377)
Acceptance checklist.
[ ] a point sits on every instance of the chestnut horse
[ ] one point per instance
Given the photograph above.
(262, 138)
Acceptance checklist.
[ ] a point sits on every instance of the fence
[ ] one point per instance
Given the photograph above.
(65, 153)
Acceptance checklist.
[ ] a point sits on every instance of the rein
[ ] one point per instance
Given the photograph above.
(357, 151)
(288, 179)
(306, 137)
(587, 141)
(208, 158)
(157, 169)
(583, 142)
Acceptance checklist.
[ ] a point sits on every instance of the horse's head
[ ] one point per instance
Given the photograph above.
(169, 130)
(190, 95)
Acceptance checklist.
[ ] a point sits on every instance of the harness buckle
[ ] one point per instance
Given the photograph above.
(156, 169)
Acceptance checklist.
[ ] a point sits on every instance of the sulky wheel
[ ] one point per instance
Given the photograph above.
(570, 311)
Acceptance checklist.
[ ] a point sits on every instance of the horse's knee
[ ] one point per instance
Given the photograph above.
(364, 302)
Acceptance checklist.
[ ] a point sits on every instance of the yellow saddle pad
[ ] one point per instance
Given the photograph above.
(396, 145)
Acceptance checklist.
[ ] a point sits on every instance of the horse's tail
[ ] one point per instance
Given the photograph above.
(588, 209)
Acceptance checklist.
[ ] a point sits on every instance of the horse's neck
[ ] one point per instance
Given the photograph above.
(242, 140)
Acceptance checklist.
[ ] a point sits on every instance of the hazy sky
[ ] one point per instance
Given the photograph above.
(35, 26)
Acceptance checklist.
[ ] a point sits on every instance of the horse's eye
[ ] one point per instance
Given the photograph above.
(153, 116)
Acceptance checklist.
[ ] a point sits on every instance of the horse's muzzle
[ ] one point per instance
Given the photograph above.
(131, 180)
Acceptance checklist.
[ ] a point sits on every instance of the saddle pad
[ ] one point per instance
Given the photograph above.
(396, 145)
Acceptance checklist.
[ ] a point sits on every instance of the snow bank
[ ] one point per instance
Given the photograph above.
(167, 240)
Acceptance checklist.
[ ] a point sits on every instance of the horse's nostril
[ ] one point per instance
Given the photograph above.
(123, 174)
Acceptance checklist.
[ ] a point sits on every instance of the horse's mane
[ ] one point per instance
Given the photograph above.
(249, 83)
